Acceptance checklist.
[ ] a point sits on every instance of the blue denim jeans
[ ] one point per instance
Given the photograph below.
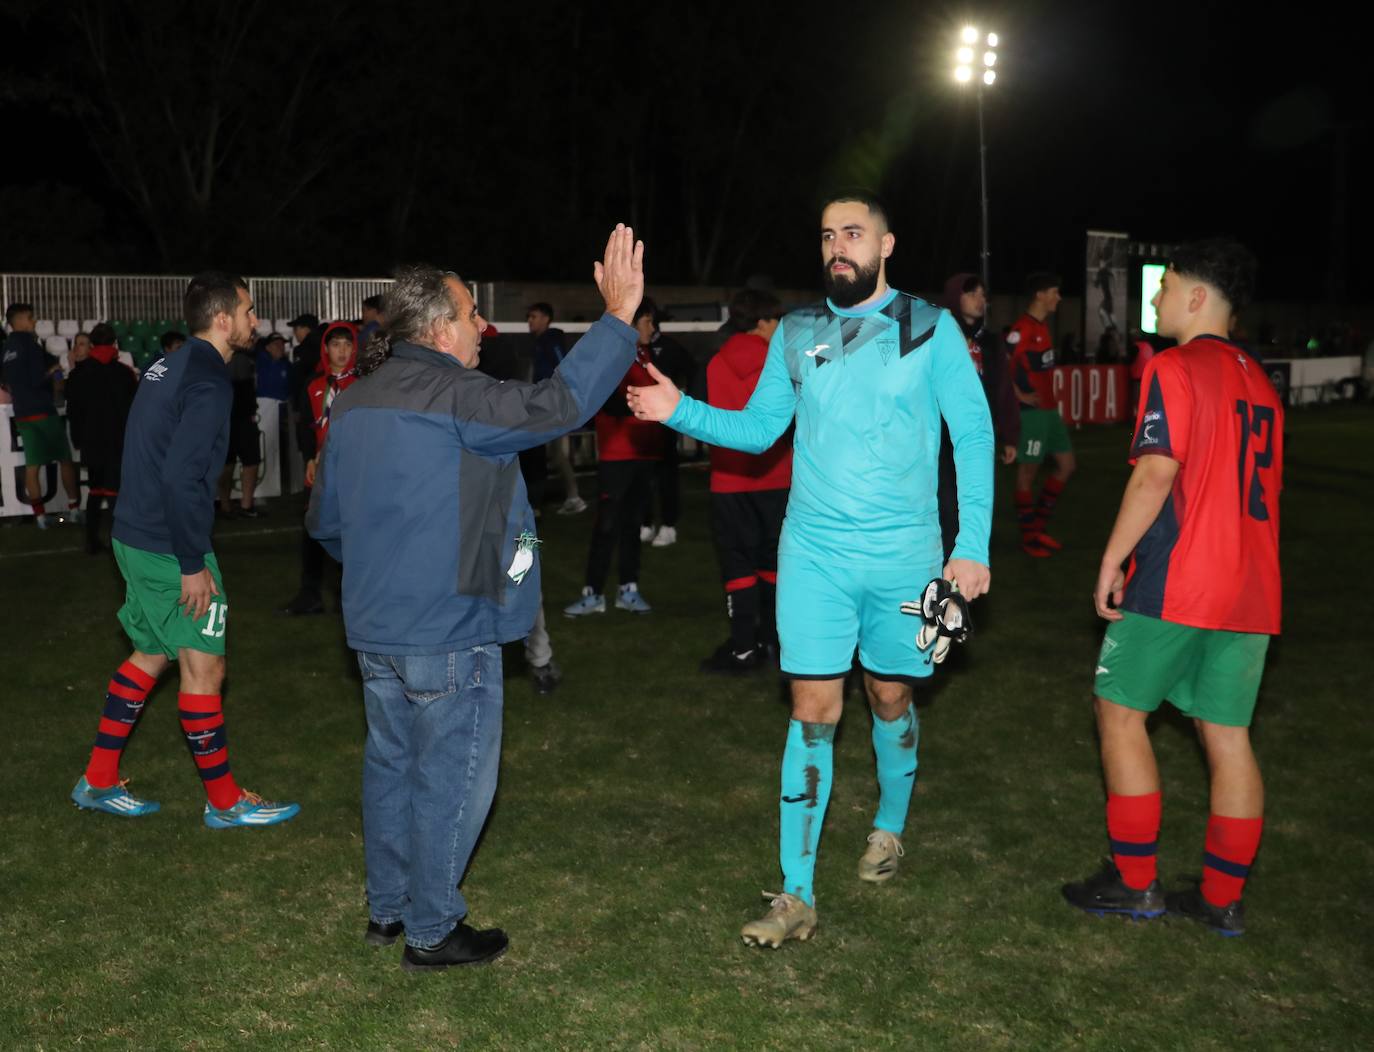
(429, 775)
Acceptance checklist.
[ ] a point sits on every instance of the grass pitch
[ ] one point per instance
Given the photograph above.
(637, 815)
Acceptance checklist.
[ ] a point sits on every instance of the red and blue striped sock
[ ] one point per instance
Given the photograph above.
(1133, 829)
(124, 699)
(202, 721)
(1230, 848)
(1049, 497)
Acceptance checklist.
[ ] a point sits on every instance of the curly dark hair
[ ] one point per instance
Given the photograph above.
(1222, 262)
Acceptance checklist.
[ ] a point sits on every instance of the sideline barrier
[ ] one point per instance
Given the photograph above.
(12, 464)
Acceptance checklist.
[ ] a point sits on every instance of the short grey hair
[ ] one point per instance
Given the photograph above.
(416, 302)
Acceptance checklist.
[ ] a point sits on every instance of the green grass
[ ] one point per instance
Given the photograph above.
(636, 823)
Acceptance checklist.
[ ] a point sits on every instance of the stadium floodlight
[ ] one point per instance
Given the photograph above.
(964, 56)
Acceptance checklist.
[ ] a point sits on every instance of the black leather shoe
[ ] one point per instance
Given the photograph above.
(464, 945)
(383, 934)
(303, 604)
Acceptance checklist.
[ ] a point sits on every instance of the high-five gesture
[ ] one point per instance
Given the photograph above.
(654, 403)
(620, 274)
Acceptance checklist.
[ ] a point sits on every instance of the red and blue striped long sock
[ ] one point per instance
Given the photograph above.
(202, 721)
(1133, 829)
(1230, 849)
(124, 700)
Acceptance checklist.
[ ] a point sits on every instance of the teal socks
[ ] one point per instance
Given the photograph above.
(808, 769)
(894, 744)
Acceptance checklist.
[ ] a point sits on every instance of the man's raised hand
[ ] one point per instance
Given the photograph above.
(656, 402)
(620, 274)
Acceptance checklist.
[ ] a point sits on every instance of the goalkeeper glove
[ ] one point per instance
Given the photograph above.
(944, 615)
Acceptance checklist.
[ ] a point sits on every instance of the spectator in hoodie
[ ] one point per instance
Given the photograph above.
(671, 359)
(550, 347)
(748, 493)
(337, 372)
(967, 299)
(100, 390)
(29, 374)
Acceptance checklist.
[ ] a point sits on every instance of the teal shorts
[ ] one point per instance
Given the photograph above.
(826, 610)
(1207, 674)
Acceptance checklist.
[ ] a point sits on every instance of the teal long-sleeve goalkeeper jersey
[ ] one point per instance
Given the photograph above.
(867, 389)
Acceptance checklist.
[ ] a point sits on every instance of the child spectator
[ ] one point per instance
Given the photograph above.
(338, 369)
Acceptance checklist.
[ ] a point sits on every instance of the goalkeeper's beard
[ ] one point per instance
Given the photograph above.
(859, 286)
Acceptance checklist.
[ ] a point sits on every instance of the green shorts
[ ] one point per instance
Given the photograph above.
(45, 440)
(1042, 432)
(155, 622)
(1208, 674)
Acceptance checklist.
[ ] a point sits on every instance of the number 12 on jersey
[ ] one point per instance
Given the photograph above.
(1256, 421)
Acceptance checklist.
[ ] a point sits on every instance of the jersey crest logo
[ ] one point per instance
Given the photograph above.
(1014, 337)
(155, 372)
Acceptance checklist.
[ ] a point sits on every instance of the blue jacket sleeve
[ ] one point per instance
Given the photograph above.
(322, 519)
(759, 424)
(496, 417)
(965, 409)
(204, 409)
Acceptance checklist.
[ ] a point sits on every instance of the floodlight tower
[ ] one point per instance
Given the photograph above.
(978, 70)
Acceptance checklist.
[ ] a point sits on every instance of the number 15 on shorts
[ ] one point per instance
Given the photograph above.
(215, 619)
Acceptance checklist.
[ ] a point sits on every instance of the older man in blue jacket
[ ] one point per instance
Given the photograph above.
(420, 497)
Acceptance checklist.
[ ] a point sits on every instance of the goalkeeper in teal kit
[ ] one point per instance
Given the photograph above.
(868, 375)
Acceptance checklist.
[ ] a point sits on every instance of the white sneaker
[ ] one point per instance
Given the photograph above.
(572, 506)
(629, 599)
(646, 533)
(590, 603)
(880, 859)
(788, 917)
(666, 535)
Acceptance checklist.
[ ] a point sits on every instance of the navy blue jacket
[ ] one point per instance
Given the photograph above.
(25, 369)
(419, 492)
(549, 349)
(174, 446)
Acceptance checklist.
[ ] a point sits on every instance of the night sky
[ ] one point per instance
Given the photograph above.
(502, 140)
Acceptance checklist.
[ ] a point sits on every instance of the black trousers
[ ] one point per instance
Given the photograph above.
(622, 491)
(665, 480)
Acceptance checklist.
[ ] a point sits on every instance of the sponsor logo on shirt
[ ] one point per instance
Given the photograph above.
(817, 349)
(1152, 416)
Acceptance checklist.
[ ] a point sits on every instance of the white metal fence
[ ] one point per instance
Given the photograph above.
(129, 297)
